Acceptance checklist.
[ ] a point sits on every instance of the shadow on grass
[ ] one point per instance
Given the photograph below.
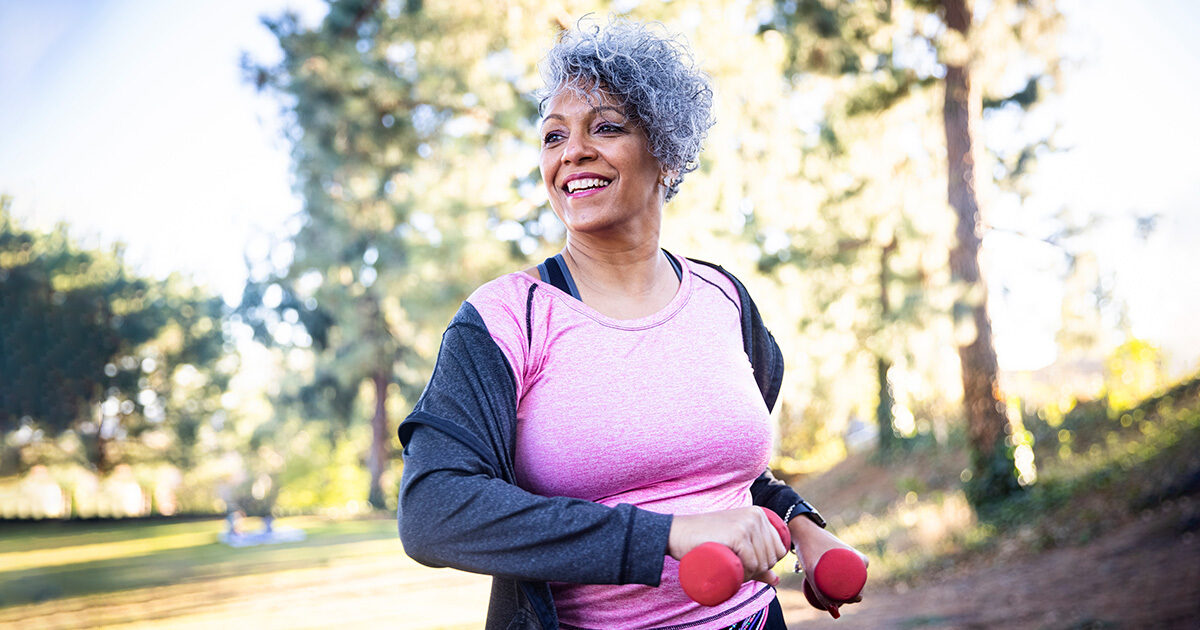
(24, 535)
(326, 543)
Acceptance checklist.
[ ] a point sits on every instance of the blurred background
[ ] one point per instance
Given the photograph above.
(232, 232)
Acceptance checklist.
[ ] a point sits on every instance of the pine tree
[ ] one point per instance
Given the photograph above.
(896, 53)
(409, 127)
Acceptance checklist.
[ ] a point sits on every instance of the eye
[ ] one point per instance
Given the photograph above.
(608, 127)
(551, 137)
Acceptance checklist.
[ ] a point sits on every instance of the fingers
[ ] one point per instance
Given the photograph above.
(814, 548)
(817, 598)
(758, 545)
(745, 530)
(767, 577)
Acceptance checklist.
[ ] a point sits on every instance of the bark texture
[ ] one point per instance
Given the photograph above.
(884, 416)
(994, 473)
(379, 441)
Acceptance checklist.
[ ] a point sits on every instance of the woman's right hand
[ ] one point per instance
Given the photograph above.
(744, 530)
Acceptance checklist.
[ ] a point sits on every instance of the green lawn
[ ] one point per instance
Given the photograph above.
(177, 574)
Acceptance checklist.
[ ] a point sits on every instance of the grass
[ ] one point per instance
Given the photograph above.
(177, 574)
(1097, 469)
(1112, 466)
(56, 560)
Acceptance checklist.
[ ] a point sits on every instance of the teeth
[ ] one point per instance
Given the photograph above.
(577, 185)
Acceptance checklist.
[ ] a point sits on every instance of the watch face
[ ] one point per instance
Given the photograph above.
(809, 511)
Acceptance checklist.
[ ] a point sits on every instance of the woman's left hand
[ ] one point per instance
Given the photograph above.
(812, 541)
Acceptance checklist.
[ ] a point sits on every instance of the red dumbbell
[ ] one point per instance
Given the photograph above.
(839, 576)
(711, 573)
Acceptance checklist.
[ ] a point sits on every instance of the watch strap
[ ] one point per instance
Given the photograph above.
(805, 509)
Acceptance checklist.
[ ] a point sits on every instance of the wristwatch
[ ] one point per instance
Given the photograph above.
(804, 508)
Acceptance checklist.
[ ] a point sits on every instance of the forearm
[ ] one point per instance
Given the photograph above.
(454, 513)
(805, 534)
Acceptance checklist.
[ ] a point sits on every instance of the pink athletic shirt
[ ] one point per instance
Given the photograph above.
(661, 412)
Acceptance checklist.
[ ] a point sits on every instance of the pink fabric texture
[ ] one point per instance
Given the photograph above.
(660, 412)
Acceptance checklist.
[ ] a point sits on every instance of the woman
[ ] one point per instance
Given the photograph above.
(593, 419)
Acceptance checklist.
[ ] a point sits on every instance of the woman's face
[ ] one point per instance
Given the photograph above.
(597, 166)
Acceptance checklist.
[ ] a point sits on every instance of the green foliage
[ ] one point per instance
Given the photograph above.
(893, 86)
(1117, 464)
(866, 250)
(131, 366)
(912, 517)
(1133, 370)
(1024, 98)
(325, 475)
(827, 37)
(882, 212)
(400, 115)
(993, 478)
(59, 328)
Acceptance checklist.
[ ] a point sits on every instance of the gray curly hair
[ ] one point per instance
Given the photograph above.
(651, 75)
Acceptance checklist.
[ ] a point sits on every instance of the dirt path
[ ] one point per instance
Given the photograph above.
(1145, 574)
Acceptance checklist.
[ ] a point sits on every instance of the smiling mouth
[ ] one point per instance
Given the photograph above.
(585, 184)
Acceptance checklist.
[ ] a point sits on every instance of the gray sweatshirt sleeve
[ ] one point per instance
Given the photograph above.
(459, 506)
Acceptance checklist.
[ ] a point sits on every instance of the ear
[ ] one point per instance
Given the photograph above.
(668, 177)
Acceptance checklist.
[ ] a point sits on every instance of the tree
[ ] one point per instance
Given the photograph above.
(89, 348)
(893, 53)
(411, 126)
(404, 121)
(987, 420)
(864, 251)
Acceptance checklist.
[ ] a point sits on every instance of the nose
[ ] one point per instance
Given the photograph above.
(578, 149)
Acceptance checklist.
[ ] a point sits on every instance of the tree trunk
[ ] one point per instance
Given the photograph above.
(97, 451)
(379, 441)
(10, 460)
(883, 413)
(993, 470)
(884, 416)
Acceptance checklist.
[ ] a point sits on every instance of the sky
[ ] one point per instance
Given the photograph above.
(1128, 120)
(130, 120)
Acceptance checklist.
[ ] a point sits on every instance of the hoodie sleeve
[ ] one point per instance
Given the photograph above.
(459, 506)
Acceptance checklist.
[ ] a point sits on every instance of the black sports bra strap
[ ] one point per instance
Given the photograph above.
(554, 271)
(674, 265)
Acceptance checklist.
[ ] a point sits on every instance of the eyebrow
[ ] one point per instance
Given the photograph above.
(595, 110)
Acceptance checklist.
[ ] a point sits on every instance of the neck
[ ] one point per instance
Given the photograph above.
(621, 271)
(615, 269)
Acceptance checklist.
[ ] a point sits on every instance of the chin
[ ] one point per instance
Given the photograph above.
(582, 220)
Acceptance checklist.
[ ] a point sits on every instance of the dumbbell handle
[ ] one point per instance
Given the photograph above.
(712, 573)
